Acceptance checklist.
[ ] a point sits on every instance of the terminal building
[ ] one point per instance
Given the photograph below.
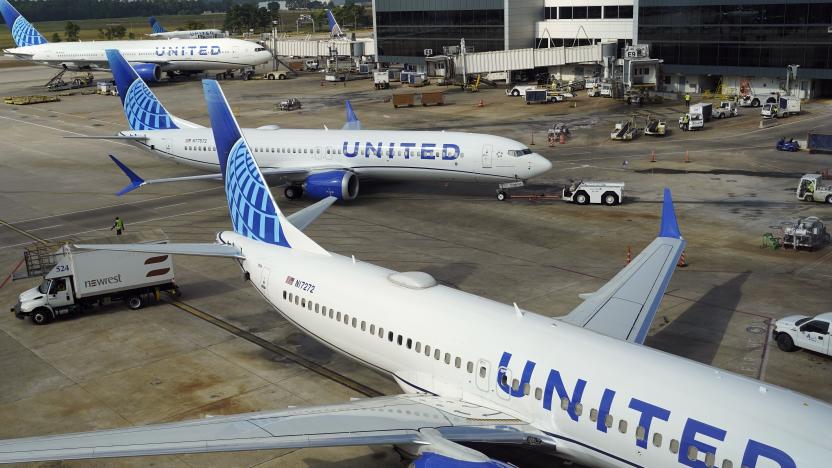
(717, 45)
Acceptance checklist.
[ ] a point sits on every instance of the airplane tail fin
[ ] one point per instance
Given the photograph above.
(352, 120)
(141, 107)
(156, 26)
(254, 212)
(334, 29)
(23, 33)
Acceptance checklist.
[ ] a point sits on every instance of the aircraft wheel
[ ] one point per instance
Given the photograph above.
(293, 193)
(502, 195)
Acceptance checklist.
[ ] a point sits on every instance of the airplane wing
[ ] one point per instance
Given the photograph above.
(625, 307)
(200, 250)
(430, 422)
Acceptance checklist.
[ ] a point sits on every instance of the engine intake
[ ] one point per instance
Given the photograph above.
(149, 72)
(342, 185)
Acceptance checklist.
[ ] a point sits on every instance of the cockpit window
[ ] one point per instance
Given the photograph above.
(259, 49)
(518, 153)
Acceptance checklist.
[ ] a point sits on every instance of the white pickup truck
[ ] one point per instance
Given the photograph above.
(800, 331)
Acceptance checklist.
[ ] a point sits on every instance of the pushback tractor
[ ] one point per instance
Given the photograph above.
(77, 280)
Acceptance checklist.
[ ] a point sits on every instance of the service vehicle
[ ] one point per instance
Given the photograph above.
(624, 130)
(310, 65)
(540, 96)
(290, 104)
(594, 90)
(381, 79)
(784, 107)
(789, 145)
(606, 90)
(276, 75)
(725, 109)
(520, 90)
(804, 332)
(806, 233)
(705, 109)
(753, 100)
(695, 122)
(812, 187)
(584, 193)
(655, 126)
(74, 280)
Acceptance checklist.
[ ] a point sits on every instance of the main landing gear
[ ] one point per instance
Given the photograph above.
(293, 192)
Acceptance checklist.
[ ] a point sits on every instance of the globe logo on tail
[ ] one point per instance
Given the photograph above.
(24, 34)
(144, 111)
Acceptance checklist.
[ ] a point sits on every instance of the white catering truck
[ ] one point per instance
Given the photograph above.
(74, 280)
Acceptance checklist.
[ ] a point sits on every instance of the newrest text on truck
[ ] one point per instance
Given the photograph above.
(75, 280)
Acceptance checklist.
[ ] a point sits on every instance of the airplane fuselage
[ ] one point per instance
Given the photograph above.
(376, 154)
(190, 34)
(170, 55)
(598, 400)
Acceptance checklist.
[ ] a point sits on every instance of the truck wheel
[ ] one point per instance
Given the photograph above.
(582, 198)
(809, 198)
(281, 77)
(135, 302)
(785, 343)
(610, 199)
(515, 93)
(270, 76)
(755, 103)
(502, 195)
(829, 199)
(42, 316)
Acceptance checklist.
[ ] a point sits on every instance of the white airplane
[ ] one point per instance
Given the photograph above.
(582, 387)
(159, 32)
(150, 58)
(323, 162)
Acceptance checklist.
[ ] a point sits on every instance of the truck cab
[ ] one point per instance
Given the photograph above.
(42, 301)
(725, 109)
(811, 188)
(803, 332)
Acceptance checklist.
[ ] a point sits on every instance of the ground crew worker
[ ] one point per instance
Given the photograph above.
(687, 101)
(774, 110)
(118, 225)
(686, 122)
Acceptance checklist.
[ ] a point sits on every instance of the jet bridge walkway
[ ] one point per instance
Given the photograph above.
(525, 59)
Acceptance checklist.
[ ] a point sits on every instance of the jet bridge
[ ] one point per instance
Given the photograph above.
(525, 59)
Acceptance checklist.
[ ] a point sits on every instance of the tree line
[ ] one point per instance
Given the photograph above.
(58, 10)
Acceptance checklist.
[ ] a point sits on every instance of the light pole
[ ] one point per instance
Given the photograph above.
(791, 75)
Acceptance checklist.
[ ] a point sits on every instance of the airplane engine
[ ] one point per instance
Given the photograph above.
(342, 185)
(149, 72)
(436, 460)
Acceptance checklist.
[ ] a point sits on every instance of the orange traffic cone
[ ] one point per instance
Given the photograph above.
(481, 103)
(653, 156)
(687, 158)
(562, 138)
(682, 261)
(629, 255)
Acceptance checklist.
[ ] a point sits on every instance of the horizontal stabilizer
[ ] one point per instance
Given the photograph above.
(308, 215)
(624, 308)
(199, 250)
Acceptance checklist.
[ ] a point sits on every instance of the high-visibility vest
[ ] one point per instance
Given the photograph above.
(119, 225)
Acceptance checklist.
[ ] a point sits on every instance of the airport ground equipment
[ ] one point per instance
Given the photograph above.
(520, 90)
(78, 81)
(804, 233)
(784, 107)
(594, 90)
(725, 109)
(787, 145)
(75, 280)
(804, 332)
(695, 122)
(624, 130)
(276, 75)
(655, 126)
(106, 88)
(290, 104)
(26, 100)
(554, 133)
(812, 187)
(752, 100)
(819, 142)
(537, 96)
(503, 190)
(705, 109)
(434, 98)
(403, 100)
(584, 193)
(381, 79)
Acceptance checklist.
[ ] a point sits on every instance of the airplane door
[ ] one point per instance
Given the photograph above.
(487, 151)
(264, 277)
(815, 336)
(235, 52)
(483, 375)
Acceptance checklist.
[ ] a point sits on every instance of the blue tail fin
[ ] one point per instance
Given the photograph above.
(23, 33)
(352, 120)
(141, 107)
(156, 26)
(334, 29)
(254, 213)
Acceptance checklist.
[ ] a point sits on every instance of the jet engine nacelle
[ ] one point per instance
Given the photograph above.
(149, 72)
(342, 185)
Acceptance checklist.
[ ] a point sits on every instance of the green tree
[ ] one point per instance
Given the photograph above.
(71, 31)
(56, 37)
(193, 24)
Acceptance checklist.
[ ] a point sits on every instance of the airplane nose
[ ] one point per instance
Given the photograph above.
(540, 164)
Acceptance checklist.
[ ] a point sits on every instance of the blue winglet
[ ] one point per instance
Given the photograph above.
(352, 120)
(135, 180)
(669, 226)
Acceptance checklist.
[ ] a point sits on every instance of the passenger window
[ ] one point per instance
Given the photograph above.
(338, 316)
(504, 380)
(622, 426)
(470, 367)
(515, 384)
(579, 409)
(608, 420)
(641, 435)
(437, 354)
(674, 446)
(564, 403)
(409, 343)
(693, 452)
(657, 439)
(390, 336)
(291, 296)
(284, 294)
(380, 332)
(526, 389)
(363, 325)
(593, 415)
(297, 300)
(346, 319)
(354, 322)
(427, 350)
(727, 464)
(538, 393)
(399, 340)
(458, 362)
(323, 310)
(418, 347)
(310, 305)
(447, 358)
(483, 371)
(331, 313)
(316, 308)
(303, 302)
(710, 459)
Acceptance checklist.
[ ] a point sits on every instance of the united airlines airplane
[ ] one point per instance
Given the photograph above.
(335, 30)
(150, 58)
(324, 162)
(472, 370)
(159, 32)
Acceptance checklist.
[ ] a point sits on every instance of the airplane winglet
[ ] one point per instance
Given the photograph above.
(135, 180)
(352, 120)
(669, 225)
